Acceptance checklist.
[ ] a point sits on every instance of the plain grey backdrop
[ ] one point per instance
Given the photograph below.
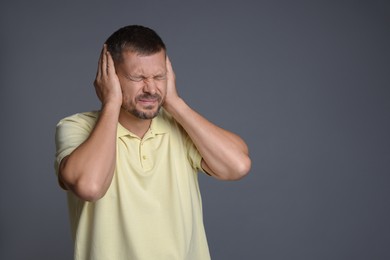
(305, 83)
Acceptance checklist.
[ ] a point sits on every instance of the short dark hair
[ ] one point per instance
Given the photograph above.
(136, 38)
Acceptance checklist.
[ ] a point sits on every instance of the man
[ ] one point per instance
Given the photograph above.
(130, 169)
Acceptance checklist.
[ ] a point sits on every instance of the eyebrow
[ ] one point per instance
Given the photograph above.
(139, 75)
(133, 75)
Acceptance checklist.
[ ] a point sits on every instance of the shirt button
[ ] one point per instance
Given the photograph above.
(144, 157)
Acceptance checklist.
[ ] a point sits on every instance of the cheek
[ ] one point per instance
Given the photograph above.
(129, 91)
(163, 88)
(127, 96)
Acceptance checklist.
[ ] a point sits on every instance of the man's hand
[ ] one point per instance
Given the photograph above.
(89, 169)
(107, 85)
(224, 154)
(171, 96)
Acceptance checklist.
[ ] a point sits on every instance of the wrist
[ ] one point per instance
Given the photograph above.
(111, 106)
(172, 104)
(176, 107)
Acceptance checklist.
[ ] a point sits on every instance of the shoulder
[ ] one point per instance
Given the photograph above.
(164, 116)
(164, 122)
(84, 118)
(81, 123)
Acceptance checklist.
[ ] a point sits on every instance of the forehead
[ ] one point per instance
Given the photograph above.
(134, 63)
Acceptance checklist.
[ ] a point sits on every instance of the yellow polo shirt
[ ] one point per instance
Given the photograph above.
(152, 209)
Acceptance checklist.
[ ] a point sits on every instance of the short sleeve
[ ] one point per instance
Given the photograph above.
(193, 154)
(71, 132)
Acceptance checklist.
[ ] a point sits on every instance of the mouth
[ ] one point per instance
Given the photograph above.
(149, 100)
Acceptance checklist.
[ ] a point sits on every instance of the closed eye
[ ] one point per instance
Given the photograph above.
(135, 78)
(162, 77)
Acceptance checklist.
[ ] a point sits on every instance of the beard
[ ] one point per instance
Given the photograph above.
(148, 112)
(145, 114)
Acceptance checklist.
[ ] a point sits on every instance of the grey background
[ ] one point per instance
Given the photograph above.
(305, 83)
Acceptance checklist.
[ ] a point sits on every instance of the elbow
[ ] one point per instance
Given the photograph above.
(240, 169)
(245, 167)
(85, 184)
(88, 191)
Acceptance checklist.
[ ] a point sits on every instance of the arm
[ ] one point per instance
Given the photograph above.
(89, 169)
(225, 155)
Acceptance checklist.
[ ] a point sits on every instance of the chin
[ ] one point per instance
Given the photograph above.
(145, 114)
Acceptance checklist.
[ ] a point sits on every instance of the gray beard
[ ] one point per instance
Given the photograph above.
(144, 115)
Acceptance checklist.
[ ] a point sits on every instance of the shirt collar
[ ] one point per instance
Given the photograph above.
(159, 125)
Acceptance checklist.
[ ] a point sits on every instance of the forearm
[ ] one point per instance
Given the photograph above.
(225, 155)
(89, 169)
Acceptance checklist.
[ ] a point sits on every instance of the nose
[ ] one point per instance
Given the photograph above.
(150, 86)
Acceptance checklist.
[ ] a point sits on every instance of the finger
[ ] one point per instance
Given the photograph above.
(110, 64)
(169, 68)
(98, 72)
(103, 66)
(168, 63)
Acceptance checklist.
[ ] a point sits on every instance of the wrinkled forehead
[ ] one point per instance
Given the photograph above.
(135, 63)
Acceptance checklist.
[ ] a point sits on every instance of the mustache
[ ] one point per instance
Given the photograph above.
(147, 96)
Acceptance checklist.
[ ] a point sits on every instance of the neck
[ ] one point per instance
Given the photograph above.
(134, 124)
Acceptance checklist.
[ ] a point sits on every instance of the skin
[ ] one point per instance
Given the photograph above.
(131, 92)
(143, 81)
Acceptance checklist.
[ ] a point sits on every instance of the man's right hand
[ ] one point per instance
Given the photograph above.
(89, 169)
(107, 85)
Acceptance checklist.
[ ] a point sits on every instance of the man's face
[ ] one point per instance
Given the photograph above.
(144, 83)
